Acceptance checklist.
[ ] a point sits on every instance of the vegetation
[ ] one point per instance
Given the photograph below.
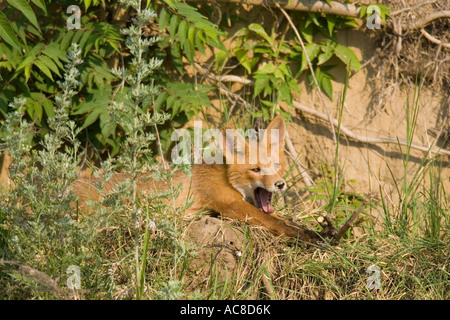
(112, 92)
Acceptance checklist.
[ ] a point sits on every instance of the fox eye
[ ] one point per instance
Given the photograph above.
(256, 169)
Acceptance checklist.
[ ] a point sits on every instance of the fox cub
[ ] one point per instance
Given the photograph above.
(239, 187)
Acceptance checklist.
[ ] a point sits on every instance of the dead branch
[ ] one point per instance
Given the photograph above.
(433, 39)
(396, 12)
(40, 277)
(233, 78)
(338, 8)
(348, 224)
(430, 18)
(364, 139)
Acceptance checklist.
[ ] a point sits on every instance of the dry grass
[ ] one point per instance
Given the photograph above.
(275, 268)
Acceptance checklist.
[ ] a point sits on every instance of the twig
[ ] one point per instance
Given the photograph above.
(233, 78)
(430, 18)
(433, 39)
(38, 276)
(305, 176)
(311, 69)
(348, 224)
(223, 89)
(363, 139)
(396, 12)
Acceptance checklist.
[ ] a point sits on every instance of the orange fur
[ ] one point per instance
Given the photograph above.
(228, 189)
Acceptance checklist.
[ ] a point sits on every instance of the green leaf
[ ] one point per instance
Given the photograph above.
(52, 51)
(162, 97)
(307, 31)
(331, 23)
(40, 4)
(261, 81)
(41, 65)
(78, 35)
(25, 8)
(189, 51)
(189, 47)
(285, 93)
(269, 68)
(182, 31)
(107, 125)
(187, 98)
(171, 3)
(318, 74)
(48, 107)
(362, 11)
(174, 20)
(83, 41)
(312, 50)
(327, 87)
(36, 101)
(350, 23)
(27, 72)
(272, 84)
(164, 18)
(7, 32)
(384, 10)
(243, 59)
(66, 40)
(263, 48)
(87, 3)
(92, 117)
(38, 111)
(98, 99)
(50, 64)
(175, 51)
(285, 70)
(199, 42)
(28, 62)
(200, 21)
(324, 80)
(221, 59)
(348, 57)
(327, 47)
(313, 17)
(93, 40)
(191, 36)
(294, 86)
(259, 30)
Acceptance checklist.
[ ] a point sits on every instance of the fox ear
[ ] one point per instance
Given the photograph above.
(235, 146)
(275, 132)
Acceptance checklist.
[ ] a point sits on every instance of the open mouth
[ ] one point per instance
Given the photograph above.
(263, 199)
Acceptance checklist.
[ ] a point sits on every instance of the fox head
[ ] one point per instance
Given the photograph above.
(255, 168)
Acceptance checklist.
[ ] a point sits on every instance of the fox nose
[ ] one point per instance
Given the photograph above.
(280, 184)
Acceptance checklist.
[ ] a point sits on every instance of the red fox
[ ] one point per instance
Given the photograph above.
(239, 190)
